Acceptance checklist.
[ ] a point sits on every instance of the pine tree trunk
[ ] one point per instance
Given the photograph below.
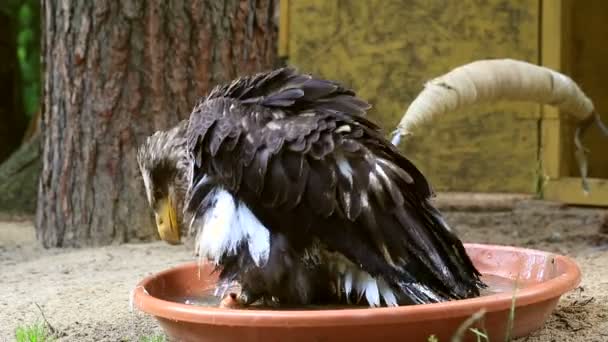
(115, 71)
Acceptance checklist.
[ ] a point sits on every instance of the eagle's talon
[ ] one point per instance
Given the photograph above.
(247, 298)
(271, 302)
(230, 302)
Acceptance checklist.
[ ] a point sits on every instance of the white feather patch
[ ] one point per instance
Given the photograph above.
(348, 283)
(374, 183)
(216, 235)
(345, 168)
(257, 235)
(272, 125)
(380, 172)
(386, 293)
(353, 278)
(226, 225)
(424, 289)
(366, 285)
(343, 129)
(364, 199)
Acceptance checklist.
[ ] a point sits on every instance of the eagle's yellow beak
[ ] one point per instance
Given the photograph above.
(166, 222)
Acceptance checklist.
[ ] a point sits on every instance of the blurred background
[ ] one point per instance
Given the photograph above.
(20, 90)
(384, 49)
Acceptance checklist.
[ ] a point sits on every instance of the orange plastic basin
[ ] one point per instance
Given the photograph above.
(542, 278)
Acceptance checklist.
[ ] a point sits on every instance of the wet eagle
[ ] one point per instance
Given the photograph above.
(297, 197)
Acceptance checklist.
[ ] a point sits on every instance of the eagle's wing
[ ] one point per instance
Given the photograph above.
(300, 147)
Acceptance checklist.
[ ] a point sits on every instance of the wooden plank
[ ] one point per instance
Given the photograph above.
(551, 57)
(566, 30)
(475, 201)
(283, 28)
(569, 190)
(589, 68)
(551, 147)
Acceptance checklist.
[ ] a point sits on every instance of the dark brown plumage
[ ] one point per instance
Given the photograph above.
(346, 214)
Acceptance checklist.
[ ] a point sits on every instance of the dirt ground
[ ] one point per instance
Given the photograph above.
(84, 293)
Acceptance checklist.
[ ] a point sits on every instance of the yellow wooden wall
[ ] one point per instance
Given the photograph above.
(572, 41)
(588, 66)
(387, 49)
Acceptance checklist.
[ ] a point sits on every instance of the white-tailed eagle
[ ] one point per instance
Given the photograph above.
(300, 199)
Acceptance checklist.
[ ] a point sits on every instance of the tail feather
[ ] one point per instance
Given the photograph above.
(429, 261)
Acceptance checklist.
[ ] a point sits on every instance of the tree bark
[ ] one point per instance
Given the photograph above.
(115, 71)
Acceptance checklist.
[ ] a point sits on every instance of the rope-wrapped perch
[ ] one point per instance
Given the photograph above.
(503, 79)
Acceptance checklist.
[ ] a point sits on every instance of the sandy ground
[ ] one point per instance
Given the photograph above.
(84, 293)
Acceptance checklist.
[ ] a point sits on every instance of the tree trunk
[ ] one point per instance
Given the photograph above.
(115, 71)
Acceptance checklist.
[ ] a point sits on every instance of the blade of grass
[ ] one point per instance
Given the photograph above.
(512, 312)
(36, 332)
(153, 338)
(51, 328)
(464, 327)
(480, 334)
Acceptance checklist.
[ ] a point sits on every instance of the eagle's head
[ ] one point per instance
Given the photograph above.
(164, 165)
